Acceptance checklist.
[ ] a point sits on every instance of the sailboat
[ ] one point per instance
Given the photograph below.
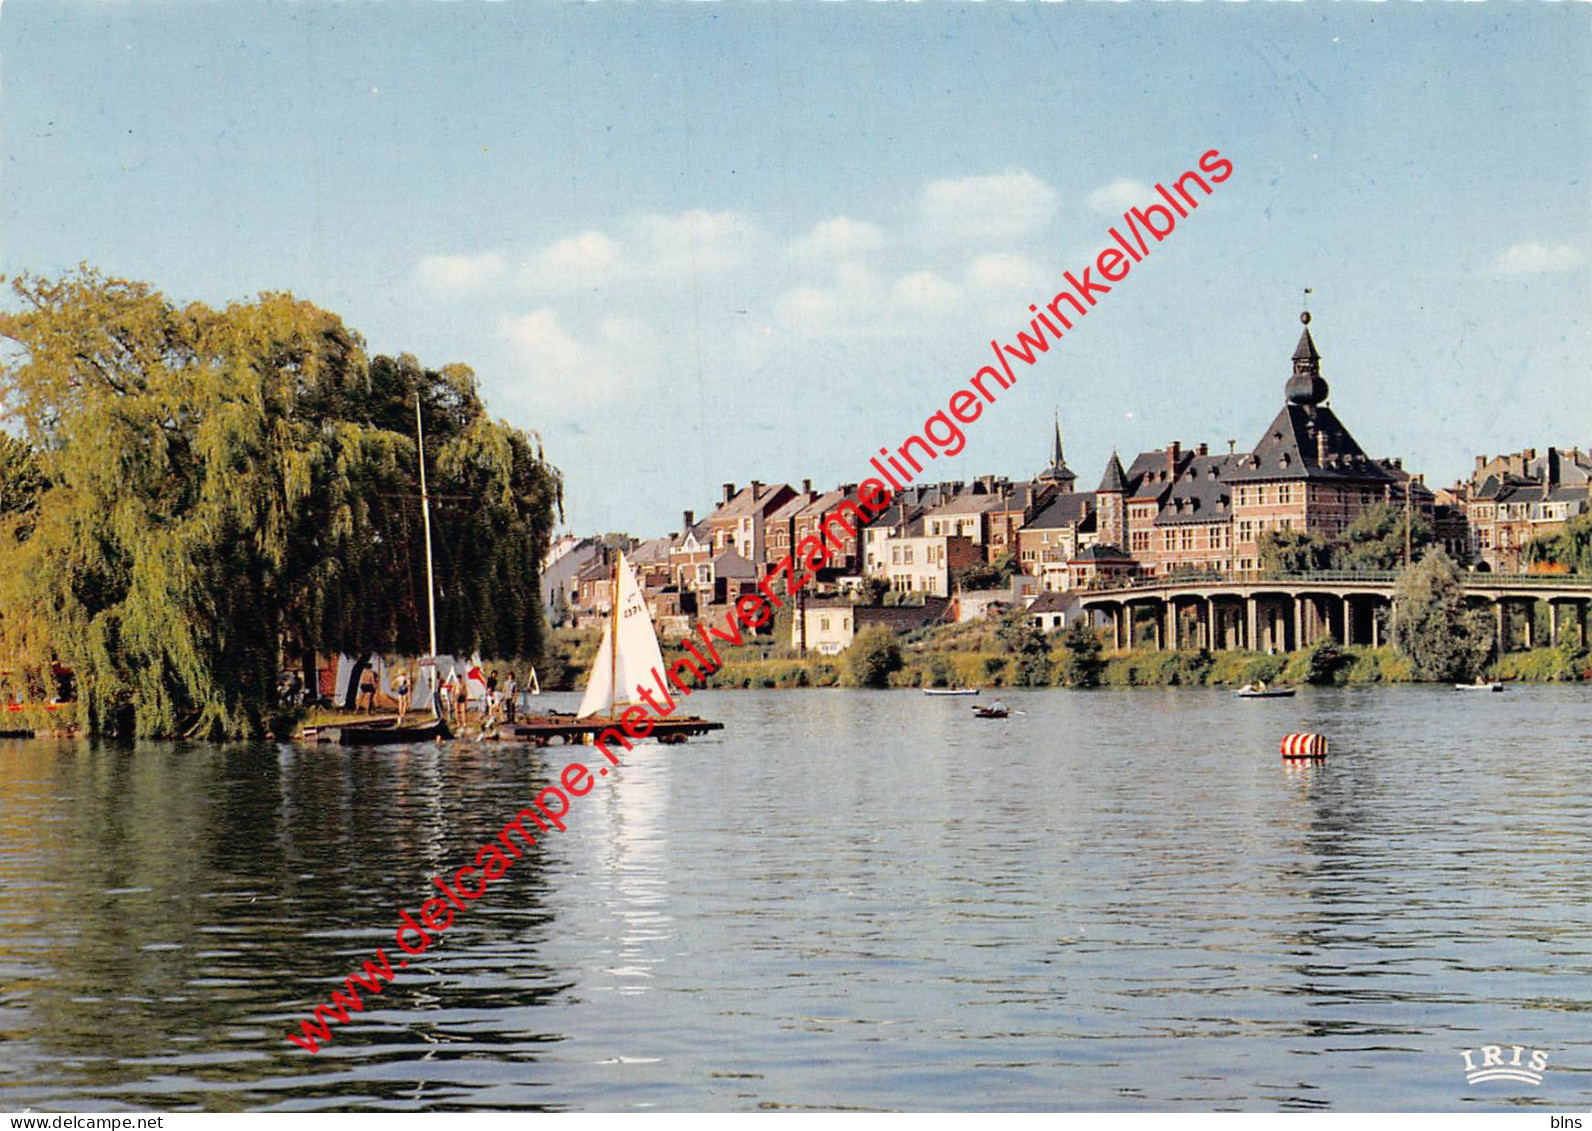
(628, 657)
(391, 734)
(629, 654)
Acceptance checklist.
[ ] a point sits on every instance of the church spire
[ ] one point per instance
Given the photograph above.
(1058, 471)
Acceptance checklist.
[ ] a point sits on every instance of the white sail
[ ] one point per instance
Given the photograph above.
(617, 671)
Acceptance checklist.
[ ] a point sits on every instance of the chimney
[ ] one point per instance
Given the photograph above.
(807, 486)
(1481, 462)
(1205, 449)
(1232, 447)
(690, 521)
(729, 492)
(757, 490)
(1173, 451)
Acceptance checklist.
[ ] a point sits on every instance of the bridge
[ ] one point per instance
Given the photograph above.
(1286, 611)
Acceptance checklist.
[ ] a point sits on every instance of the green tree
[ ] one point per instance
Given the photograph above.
(1293, 551)
(977, 575)
(1569, 547)
(1442, 638)
(1081, 663)
(1021, 637)
(1375, 540)
(874, 656)
(228, 485)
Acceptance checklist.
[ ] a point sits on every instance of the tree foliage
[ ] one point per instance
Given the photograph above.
(1081, 663)
(1433, 628)
(1375, 539)
(224, 487)
(1021, 637)
(1293, 551)
(1569, 547)
(874, 656)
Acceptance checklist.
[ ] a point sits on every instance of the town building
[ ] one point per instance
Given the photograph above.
(1307, 473)
(1523, 497)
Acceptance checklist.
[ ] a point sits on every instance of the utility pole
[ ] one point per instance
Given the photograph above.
(1408, 484)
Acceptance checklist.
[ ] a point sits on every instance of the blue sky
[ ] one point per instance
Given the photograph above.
(697, 243)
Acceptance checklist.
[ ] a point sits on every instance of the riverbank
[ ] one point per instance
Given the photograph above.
(972, 655)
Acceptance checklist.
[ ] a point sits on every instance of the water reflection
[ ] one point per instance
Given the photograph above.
(846, 899)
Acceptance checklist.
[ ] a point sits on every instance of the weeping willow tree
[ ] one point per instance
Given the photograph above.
(203, 494)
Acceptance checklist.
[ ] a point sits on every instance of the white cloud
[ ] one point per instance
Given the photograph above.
(839, 238)
(694, 242)
(923, 291)
(574, 263)
(557, 363)
(459, 274)
(1537, 259)
(1119, 196)
(1008, 205)
(810, 309)
(1004, 273)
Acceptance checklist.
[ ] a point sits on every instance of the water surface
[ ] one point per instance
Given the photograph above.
(1118, 900)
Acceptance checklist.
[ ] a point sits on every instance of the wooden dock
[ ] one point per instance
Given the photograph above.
(542, 729)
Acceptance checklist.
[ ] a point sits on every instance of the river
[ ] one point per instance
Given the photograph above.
(1112, 900)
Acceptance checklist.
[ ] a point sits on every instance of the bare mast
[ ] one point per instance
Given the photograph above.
(425, 519)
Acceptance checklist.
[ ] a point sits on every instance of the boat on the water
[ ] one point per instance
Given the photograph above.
(1479, 687)
(950, 691)
(628, 658)
(996, 710)
(1261, 691)
(391, 734)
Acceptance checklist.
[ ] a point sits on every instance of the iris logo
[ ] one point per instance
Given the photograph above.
(1498, 1064)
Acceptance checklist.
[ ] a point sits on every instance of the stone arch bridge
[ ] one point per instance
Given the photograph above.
(1284, 612)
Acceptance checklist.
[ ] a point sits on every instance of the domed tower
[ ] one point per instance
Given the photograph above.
(1306, 386)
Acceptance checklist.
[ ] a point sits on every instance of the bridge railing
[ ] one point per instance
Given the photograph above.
(1193, 578)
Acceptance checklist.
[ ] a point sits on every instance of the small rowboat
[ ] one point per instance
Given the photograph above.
(1268, 693)
(950, 691)
(990, 712)
(1479, 687)
(379, 734)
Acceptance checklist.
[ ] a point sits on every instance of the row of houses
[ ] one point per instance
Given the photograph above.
(1175, 508)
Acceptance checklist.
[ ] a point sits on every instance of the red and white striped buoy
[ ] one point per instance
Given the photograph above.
(1304, 746)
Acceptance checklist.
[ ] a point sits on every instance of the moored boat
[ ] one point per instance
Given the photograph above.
(391, 734)
(1479, 687)
(950, 691)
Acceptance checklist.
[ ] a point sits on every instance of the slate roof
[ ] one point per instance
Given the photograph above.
(970, 502)
(746, 503)
(1290, 450)
(1148, 476)
(1115, 479)
(732, 565)
(1064, 510)
(1198, 495)
(1053, 602)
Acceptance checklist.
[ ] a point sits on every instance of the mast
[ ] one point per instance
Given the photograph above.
(613, 637)
(425, 519)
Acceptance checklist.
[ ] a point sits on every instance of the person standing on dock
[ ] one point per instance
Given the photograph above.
(367, 692)
(511, 692)
(401, 686)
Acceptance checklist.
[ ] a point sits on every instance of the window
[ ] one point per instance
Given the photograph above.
(1284, 493)
(823, 624)
(1187, 539)
(1166, 539)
